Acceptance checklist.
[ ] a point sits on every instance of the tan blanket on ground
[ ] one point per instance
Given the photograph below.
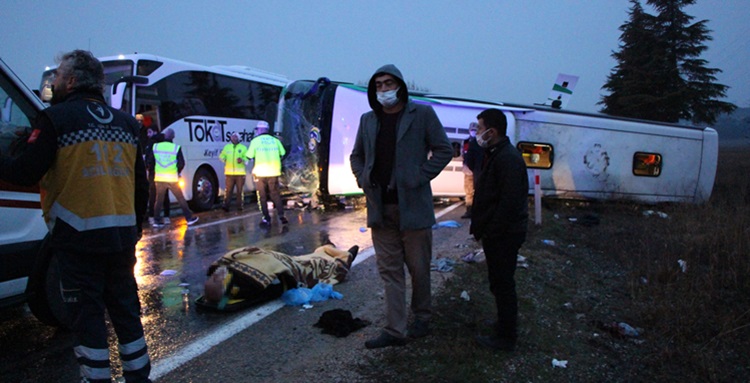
(261, 267)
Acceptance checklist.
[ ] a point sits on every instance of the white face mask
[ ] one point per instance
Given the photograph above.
(483, 142)
(388, 98)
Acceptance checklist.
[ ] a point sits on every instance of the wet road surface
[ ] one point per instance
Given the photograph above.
(172, 262)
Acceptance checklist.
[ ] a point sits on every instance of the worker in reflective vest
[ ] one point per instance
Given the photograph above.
(266, 152)
(233, 156)
(168, 163)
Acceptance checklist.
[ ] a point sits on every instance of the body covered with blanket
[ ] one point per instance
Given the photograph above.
(253, 274)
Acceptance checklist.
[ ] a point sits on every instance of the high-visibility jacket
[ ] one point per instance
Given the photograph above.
(229, 155)
(92, 185)
(267, 151)
(165, 162)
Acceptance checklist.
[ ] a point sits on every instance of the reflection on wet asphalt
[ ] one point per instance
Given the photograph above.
(172, 263)
(171, 267)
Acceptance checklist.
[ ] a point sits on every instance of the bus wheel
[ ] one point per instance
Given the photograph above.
(205, 190)
(43, 290)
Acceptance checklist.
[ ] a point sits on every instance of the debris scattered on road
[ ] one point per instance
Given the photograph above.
(559, 363)
(649, 213)
(465, 295)
(449, 223)
(443, 265)
(683, 265)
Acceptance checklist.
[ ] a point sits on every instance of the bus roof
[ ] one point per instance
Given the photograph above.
(229, 70)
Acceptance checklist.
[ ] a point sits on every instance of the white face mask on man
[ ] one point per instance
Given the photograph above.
(388, 98)
(482, 141)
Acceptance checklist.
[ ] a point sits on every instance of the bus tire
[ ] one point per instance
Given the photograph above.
(205, 190)
(43, 290)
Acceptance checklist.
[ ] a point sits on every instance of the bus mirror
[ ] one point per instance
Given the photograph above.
(116, 102)
(46, 93)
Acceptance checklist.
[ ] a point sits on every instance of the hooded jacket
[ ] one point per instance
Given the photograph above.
(422, 151)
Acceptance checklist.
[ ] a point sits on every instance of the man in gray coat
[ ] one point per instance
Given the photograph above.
(400, 147)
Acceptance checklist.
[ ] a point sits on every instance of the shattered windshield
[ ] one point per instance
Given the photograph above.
(302, 126)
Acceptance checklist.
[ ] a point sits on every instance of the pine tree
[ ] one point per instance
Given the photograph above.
(660, 75)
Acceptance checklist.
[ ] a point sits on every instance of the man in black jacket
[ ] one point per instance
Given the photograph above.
(499, 220)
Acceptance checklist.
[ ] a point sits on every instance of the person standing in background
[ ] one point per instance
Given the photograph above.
(168, 164)
(399, 197)
(499, 220)
(266, 152)
(473, 156)
(234, 156)
(88, 163)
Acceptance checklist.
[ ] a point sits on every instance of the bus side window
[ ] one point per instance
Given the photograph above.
(647, 164)
(537, 155)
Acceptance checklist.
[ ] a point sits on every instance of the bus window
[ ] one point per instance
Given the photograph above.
(647, 164)
(537, 155)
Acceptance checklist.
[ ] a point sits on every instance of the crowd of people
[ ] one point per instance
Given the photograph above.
(95, 239)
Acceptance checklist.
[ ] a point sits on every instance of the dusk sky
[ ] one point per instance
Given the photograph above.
(503, 50)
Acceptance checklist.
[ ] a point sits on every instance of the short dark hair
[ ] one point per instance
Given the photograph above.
(85, 68)
(494, 119)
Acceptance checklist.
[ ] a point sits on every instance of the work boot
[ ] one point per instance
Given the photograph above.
(385, 340)
(468, 212)
(418, 329)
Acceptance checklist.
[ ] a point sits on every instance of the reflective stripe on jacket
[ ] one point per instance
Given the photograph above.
(229, 155)
(165, 166)
(92, 184)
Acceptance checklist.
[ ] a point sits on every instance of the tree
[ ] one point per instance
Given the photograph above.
(660, 75)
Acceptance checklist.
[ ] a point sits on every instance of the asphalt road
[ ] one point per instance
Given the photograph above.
(183, 341)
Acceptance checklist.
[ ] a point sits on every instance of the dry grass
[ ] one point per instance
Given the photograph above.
(695, 324)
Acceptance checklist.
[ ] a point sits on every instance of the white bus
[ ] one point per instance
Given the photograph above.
(577, 155)
(204, 105)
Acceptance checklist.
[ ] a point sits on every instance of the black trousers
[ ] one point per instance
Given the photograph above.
(93, 283)
(501, 253)
(269, 187)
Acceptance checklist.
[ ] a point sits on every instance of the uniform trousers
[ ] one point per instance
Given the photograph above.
(266, 186)
(174, 187)
(232, 181)
(394, 248)
(93, 283)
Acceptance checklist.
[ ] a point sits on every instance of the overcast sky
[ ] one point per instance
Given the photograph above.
(501, 50)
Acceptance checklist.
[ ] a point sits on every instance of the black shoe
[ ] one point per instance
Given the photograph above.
(496, 343)
(265, 221)
(225, 208)
(283, 220)
(385, 340)
(353, 251)
(418, 329)
(192, 220)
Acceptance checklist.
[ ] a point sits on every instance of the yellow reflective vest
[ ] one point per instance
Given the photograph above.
(165, 162)
(229, 155)
(267, 151)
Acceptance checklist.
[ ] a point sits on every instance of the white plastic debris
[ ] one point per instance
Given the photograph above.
(465, 296)
(683, 265)
(548, 242)
(649, 213)
(521, 262)
(559, 363)
(627, 330)
(168, 273)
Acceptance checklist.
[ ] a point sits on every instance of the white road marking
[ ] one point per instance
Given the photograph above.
(199, 346)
